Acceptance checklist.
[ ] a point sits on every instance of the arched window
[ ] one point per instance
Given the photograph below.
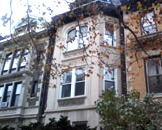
(77, 38)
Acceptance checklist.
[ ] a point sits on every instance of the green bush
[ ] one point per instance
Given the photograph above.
(62, 124)
(129, 112)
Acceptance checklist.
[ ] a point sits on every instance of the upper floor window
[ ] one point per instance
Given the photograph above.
(148, 24)
(9, 94)
(154, 75)
(73, 83)
(110, 78)
(34, 89)
(15, 62)
(1, 92)
(110, 35)
(77, 38)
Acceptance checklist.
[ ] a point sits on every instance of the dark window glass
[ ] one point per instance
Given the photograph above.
(80, 82)
(154, 75)
(80, 124)
(34, 88)
(16, 94)
(66, 90)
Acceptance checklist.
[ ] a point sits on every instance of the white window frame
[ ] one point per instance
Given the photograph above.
(14, 88)
(115, 78)
(77, 40)
(114, 36)
(73, 84)
(147, 72)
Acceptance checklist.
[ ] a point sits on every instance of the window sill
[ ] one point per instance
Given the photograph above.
(73, 51)
(13, 75)
(9, 108)
(71, 98)
(149, 37)
(157, 95)
(71, 101)
(73, 54)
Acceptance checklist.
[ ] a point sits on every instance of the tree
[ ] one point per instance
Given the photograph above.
(129, 112)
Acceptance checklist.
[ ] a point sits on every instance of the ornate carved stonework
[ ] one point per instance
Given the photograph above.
(4, 112)
(71, 102)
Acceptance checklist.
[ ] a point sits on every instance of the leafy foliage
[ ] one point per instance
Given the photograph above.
(129, 112)
(62, 124)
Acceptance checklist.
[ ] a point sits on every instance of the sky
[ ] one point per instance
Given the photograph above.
(38, 8)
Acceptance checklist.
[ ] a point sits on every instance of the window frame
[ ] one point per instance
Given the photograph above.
(21, 54)
(4, 72)
(34, 88)
(143, 31)
(14, 94)
(115, 78)
(147, 73)
(77, 38)
(114, 35)
(11, 102)
(73, 84)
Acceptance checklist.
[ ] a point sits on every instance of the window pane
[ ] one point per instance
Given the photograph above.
(18, 88)
(72, 45)
(7, 94)
(7, 62)
(1, 91)
(154, 66)
(23, 60)
(109, 35)
(71, 35)
(34, 89)
(155, 84)
(109, 74)
(15, 63)
(80, 75)
(16, 100)
(109, 84)
(148, 23)
(66, 90)
(67, 77)
(79, 88)
(84, 31)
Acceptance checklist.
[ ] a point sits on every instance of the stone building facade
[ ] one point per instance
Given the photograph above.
(20, 86)
(84, 76)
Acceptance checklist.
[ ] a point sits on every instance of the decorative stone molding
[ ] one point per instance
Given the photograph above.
(71, 102)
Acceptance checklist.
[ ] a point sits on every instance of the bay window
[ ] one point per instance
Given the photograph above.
(154, 75)
(73, 83)
(77, 38)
